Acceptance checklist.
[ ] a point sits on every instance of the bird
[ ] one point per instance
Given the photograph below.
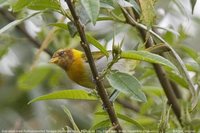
(76, 65)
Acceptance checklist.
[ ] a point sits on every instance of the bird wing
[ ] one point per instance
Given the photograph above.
(97, 55)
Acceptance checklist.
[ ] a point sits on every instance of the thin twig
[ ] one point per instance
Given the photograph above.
(128, 105)
(99, 85)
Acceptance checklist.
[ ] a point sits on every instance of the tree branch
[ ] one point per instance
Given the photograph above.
(99, 85)
(161, 74)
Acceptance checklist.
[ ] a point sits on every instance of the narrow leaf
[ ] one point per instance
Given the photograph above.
(193, 3)
(148, 57)
(127, 84)
(44, 4)
(92, 8)
(60, 25)
(125, 118)
(104, 5)
(72, 29)
(167, 29)
(182, 8)
(36, 5)
(102, 124)
(16, 22)
(82, 13)
(20, 4)
(128, 119)
(191, 52)
(65, 94)
(124, 3)
(97, 44)
(136, 7)
(192, 66)
(75, 127)
(153, 90)
(177, 78)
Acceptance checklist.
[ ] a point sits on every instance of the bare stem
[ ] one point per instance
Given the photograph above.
(99, 85)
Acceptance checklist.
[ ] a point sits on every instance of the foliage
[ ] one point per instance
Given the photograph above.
(120, 30)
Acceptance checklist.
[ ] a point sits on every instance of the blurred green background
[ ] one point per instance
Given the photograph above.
(17, 55)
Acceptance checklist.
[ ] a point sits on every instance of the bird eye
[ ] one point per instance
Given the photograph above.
(61, 53)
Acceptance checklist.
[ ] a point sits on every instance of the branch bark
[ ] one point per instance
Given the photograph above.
(99, 85)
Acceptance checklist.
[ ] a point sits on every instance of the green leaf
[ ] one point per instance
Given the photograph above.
(82, 13)
(164, 121)
(104, 5)
(65, 94)
(169, 37)
(148, 57)
(154, 90)
(125, 118)
(3, 50)
(109, 2)
(127, 84)
(193, 66)
(97, 44)
(33, 78)
(193, 3)
(60, 25)
(195, 123)
(128, 119)
(177, 78)
(92, 8)
(44, 4)
(16, 22)
(36, 5)
(182, 8)
(20, 4)
(124, 3)
(136, 7)
(143, 120)
(102, 124)
(167, 29)
(72, 29)
(191, 52)
(75, 127)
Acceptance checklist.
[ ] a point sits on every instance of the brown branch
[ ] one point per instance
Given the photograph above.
(128, 105)
(99, 85)
(161, 74)
(176, 90)
(11, 18)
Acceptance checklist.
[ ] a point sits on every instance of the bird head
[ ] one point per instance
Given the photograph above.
(63, 58)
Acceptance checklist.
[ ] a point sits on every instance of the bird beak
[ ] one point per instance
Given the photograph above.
(54, 60)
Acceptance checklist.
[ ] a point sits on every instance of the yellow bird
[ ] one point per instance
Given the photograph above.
(75, 63)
